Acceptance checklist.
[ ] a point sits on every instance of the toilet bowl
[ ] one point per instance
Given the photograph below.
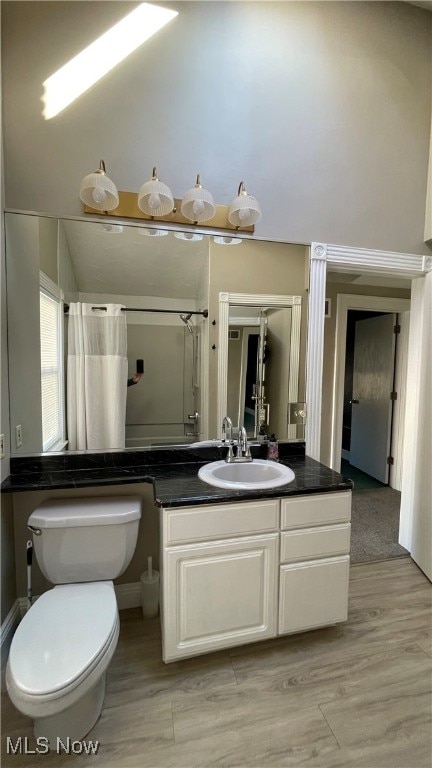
(58, 660)
(61, 649)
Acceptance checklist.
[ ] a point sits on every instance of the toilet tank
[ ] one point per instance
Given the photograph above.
(90, 539)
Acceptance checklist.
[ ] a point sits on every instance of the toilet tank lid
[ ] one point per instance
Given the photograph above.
(74, 513)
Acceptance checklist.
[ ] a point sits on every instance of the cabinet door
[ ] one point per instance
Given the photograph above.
(219, 594)
(313, 594)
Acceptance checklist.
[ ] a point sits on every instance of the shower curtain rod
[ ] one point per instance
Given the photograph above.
(203, 312)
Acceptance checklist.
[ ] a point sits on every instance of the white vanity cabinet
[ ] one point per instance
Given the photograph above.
(314, 571)
(240, 572)
(220, 589)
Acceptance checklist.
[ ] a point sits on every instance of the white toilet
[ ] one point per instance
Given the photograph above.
(61, 650)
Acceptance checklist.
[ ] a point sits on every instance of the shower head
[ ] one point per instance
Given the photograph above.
(186, 320)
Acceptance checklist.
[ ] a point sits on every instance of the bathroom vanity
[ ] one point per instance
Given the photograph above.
(236, 566)
(239, 572)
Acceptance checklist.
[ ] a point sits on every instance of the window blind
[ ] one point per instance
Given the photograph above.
(51, 371)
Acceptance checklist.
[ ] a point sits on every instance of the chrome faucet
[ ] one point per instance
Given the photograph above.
(243, 450)
(227, 423)
(227, 431)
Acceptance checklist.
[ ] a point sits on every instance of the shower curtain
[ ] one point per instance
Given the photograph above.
(97, 371)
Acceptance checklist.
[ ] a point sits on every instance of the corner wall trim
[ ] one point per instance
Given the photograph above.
(315, 348)
(7, 629)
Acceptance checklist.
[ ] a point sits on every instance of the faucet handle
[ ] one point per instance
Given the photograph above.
(230, 455)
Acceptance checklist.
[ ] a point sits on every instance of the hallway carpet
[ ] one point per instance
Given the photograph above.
(375, 525)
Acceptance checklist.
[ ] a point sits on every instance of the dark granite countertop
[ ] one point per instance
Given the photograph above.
(172, 471)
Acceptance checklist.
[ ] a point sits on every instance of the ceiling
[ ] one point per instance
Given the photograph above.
(124, 262)
(367, 279)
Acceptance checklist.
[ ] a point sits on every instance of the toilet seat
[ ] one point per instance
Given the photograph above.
(64, 642)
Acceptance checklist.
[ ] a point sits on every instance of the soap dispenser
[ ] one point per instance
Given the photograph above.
(273, 449)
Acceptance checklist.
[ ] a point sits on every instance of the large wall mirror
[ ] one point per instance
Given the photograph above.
(161, 288)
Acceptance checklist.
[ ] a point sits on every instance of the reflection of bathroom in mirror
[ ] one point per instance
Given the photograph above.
(259, 360)
(55, 264)
(260, 345)
(259, 357)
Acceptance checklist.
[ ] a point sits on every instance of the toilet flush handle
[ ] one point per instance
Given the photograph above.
(36, 531)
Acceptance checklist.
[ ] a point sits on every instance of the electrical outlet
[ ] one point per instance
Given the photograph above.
(1, 446)
(18, 435)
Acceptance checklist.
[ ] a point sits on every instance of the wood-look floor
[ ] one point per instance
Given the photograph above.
(356, 695)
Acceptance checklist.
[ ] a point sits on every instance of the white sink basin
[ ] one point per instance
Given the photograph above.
(255, 475)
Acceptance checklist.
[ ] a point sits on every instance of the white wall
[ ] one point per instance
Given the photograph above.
(323, 108)
(421, 550)
(416, 501)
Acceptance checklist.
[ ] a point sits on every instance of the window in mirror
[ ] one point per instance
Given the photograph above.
(51, 347)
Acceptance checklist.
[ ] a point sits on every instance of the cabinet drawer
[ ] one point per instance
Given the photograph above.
(315, 509)
(313, 594)
(313, 543)
(190, 524)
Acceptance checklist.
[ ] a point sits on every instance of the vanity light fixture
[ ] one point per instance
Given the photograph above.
(226, 240)
(152, 232)
(188, 236)
(155, 198)
(98, 191)
(156, 202)
(245, 209)
(197, 204)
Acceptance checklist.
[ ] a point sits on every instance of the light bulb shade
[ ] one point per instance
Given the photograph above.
(194, 236)
(197, 204)
(152, 232)
(115, 229)
(244, 211)
(99, 192)
(224, 240)
(155, 191)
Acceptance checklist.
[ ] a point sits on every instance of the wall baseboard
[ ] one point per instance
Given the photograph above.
(346, 454)
(7, 629)
(128, 596)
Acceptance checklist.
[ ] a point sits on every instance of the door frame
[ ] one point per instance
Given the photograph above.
(247, 331)
(366, 261)
(343, 259)
(344, 303)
